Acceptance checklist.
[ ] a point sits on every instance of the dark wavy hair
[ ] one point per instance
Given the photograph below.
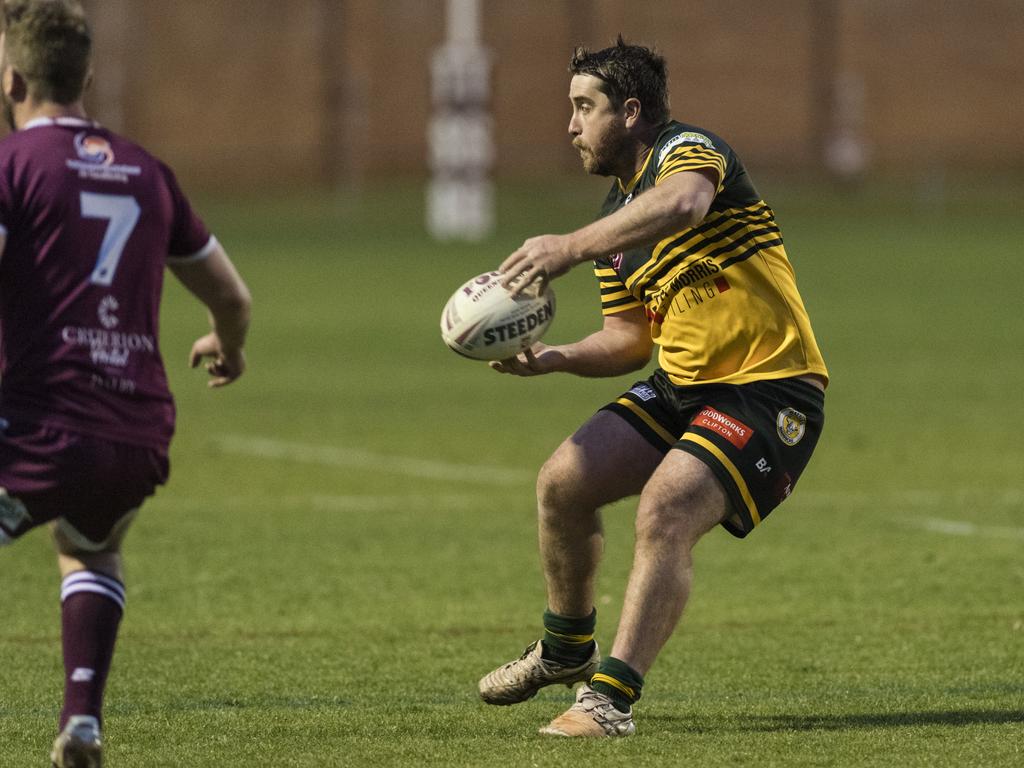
(49, 43)
(626, 72)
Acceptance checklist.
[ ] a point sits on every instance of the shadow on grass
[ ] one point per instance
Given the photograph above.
(778, 723)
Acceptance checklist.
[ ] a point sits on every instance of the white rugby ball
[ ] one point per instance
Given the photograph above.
(484, 321)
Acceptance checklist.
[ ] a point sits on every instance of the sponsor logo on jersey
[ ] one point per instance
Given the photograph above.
(94, 149)
(77, 336)
(689, 137)
(729, 427)
(108, 306)
(703, 268)
(107, 347)
(695, 295)
(617, 261)
(687, 290)
(96, 160)
(791, 425)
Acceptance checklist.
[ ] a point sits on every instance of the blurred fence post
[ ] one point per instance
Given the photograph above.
(460, 143)
(838, 96)
(112, 23)
(342, 112)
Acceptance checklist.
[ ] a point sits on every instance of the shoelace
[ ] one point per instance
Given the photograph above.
(527, 652)
(591, 700)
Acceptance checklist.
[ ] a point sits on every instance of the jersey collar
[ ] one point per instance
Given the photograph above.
(628, 188)
(70, 122)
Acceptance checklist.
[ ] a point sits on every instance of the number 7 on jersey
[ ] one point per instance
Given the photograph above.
(122, 213)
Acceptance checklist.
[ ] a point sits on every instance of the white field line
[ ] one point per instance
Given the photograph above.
(974, 499)
(961, 528)
(369, 503)
(918, 499)
(353, 458)
(321, 502)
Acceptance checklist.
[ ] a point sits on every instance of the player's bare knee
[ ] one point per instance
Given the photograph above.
(656, 523)
(70, 542)
(672, 515)
(559, 489)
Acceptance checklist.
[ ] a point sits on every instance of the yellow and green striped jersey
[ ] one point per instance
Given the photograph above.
(721, 297)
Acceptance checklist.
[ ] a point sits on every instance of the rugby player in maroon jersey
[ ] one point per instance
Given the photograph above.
(88, 222)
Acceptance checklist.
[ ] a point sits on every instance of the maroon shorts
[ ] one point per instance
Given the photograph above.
(90, 482)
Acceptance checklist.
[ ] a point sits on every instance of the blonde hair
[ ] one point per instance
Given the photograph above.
(49, 43)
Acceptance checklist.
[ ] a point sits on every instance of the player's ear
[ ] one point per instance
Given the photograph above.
(88, 81)
(14, 85)
(632, 109)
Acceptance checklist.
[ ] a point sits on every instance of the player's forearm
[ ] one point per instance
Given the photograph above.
(604, 353)
(230, 320)
(217, 284)
(650, 217)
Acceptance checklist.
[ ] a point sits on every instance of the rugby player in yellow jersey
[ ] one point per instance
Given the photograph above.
(689, 259)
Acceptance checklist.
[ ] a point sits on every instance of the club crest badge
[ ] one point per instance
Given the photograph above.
(791, 425)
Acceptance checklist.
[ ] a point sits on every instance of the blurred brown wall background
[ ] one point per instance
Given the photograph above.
(281, 94)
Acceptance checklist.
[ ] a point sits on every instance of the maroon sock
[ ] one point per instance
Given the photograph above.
(91, 608)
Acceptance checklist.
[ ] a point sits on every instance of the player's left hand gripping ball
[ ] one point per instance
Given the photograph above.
(484, 321)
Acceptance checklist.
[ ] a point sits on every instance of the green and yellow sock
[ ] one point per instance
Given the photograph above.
(567, 640)
(619, 681)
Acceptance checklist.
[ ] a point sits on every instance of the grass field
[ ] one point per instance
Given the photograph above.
(347, 540)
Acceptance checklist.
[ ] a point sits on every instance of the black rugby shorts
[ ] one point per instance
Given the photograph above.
(757, 438)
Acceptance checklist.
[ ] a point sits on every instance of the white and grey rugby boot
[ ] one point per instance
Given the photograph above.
(593, 715)
(520, 680)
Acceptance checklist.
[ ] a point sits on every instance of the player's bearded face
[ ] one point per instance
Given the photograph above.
(601, 154)
(597, 130)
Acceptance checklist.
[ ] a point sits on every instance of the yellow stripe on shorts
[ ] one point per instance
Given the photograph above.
(663, 433)
(715, 451)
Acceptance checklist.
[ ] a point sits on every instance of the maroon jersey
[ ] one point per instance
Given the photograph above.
(90, 221)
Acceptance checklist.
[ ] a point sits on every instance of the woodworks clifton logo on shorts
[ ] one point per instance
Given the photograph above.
(733, 430)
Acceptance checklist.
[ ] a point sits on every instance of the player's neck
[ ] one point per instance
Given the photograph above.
(33, 110)
(640, 148)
